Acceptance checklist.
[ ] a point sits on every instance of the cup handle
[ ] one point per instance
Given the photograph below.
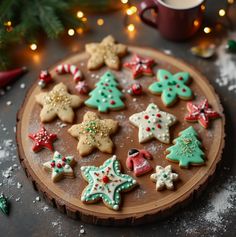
(143, 7)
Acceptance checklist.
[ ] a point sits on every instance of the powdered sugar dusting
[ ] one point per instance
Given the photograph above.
(226, 63)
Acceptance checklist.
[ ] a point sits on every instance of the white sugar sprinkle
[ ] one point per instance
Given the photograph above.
(22, 85)
(8, 103)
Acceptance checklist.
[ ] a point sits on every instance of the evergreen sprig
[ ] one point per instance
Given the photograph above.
(31, 17)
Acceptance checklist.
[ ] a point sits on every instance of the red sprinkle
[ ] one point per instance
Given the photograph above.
(180, 78)
(59, 165)
(166, 77)
(158, 115)
(148, 129)
(105, 179)
(170, 89)
(106, 84)
(158, 126)
(146, 117)
(63, 163)
(183, 90)
(177, 85)
(64, 159)
(112, 102)
(53, 164)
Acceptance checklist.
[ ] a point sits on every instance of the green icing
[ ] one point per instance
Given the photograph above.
(171, 86)
(106, 95)
(108, 192)
(186, 149)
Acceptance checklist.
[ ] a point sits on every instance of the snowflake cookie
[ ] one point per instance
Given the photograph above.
(140, 66)
(93, 133)
(164, 177)
(171, 86)
(107, 52)
(186, 149)
(60, 166)
(201, 113)
(105, 183)
(42, 139)
(58, 102)
(153, 123)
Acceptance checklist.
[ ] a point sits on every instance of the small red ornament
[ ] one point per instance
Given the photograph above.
(136, 89)
(8, 76)
(105, 179)
(82, 87)
(44, 78)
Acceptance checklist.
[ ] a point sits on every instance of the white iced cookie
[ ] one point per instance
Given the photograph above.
(60, 166)
(153, 123)
(164, 177)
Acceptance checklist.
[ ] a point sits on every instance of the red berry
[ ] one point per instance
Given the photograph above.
(137, 89)
(105, 179)
(148, 129)
(158, 126)
(146, 117)
(158, 115)
(52, 164)
(59, 165)
(64, 159)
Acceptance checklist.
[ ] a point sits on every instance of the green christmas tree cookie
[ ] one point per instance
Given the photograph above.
(186, 149)
(106, 95)
(170, 86)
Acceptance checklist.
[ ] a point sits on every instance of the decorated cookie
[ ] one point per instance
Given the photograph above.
(106, 95)
(164, 178)
(201, 113)
(58, 102)
(107, 52)
(71, 69)
(170, 87)
(60, 166)
(186, 149)
(105, 183)
(137, 161)
(153, 123)
(140, 66)
(42, 139)
(93, 133)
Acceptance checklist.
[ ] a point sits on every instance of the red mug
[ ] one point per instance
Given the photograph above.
(174, 22)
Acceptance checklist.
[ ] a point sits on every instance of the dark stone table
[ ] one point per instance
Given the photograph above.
(212, 214)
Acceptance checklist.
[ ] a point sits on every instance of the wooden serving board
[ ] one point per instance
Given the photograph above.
(143, 203)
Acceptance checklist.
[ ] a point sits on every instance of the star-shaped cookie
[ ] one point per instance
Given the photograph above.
(60, 166)
(153, 123)
(58, 102)
(107, 52)
(140, 66)
(42, 139)
(201, 113)
(93, 133)
(105, 183)
(164, 177)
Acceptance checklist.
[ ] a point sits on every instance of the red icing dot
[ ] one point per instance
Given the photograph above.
(110, 90)
(59, 165)
(148, 129)
(53, 164)
(146, 117)
(169, 89)
(177, 86)
(166, 77)
(63, 163)
(105, 179)
(180, 78)
(158, 115)
(112, 102)
(183, 90)
(158, 126)
(106, 84)
(64, 159)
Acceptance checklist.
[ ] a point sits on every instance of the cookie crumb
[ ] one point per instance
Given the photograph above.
(19, 185)
(8, 103)
(18, 199)
(38, 199)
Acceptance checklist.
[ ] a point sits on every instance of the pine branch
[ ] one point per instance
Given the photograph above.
(5, 7)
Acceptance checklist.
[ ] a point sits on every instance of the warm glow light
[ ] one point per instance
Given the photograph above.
(196, 23)
(80, 30)
(84, 19)
(8, 23)
(33, 47)
(100, 21)
(131, 10)
(71, 32)
(207, 30)
(131, 27)
(203, 7)
(80, 14)
(222, 12)
(124, 1)
(230, 1)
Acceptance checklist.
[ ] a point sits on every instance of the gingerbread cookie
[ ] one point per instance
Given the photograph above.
(153, 123)
(93, 133)
(140, 66)
(58, 102)
(105, 183)
(107, 52)
(60, 166)
(201, 113)
(106, 95)
(164, 178)
(42, 139)
(186, 149)
(137, 161)
(170, 87)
